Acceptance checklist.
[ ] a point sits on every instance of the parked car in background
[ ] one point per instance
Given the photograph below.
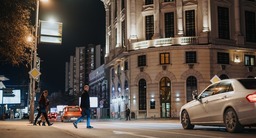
(70, 113)
(52, 115)
(25, 116)
(230, 103)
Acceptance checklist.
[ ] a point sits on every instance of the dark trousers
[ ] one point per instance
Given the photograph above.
(45, 116)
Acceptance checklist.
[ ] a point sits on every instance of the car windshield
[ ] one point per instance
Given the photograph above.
(73, 109)
(248, 83)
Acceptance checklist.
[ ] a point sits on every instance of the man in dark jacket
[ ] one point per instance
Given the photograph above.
(85, 106)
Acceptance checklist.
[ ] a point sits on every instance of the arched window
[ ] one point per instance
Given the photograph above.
(223, 76)
(165, 97)
(142, 95)
(113, 91)
(191, 86)
(126, 85)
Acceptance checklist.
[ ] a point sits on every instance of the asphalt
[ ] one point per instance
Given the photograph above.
(23, 129)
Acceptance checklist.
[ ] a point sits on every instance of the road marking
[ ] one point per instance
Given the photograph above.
(129, 133)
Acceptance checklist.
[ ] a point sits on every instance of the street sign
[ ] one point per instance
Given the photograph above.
(215, 79)
(34, 73)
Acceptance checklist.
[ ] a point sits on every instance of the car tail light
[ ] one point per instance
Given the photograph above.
(251, 97)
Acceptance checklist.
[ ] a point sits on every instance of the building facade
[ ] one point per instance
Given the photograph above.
(159, 51)
(79, 67)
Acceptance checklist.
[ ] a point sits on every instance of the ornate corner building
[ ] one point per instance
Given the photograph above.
(159, 51)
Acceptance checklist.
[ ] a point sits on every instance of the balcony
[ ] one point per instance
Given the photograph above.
(164, 42)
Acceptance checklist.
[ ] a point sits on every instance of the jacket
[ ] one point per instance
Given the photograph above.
(85, 100)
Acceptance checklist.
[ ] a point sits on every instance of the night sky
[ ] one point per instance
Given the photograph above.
(83, 24)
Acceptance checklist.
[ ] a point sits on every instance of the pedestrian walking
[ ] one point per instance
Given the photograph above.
(42, 118)
(42, 107)
(85, 106)
(127, 114)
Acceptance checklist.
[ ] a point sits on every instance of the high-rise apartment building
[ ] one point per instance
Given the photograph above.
(159, 51)
(80, 66)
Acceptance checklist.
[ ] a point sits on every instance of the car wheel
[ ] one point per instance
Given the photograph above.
(231, 121)
(185, 120)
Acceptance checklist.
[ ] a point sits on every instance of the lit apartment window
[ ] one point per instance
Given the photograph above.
(142, 60)
(250, 26)
(191, 57)
(169, 24)
(222, 58)
(149, 24)
(164, 58)
(147, 2)
(249, 60)
(223, 22)
(190, 23)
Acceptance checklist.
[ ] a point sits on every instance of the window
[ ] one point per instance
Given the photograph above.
(224, 87)
(223, 22)
(222, 58)
(147, 2)
(169, 24)
(109, 15)
(191, 57)
(190, 23)
(164, 58)
(209, 91)
(115, 9)
(249, 60)
(223, 77)
(168, 0)
(250, 26)
(142, 95)
(122, 4)
(119, 70)
(191, 86)
(142, 60)
(152, 104)
(126, 65)
(149, 24)
(123, 33)
(113, 73)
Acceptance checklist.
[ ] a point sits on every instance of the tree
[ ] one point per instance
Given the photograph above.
(15, 27)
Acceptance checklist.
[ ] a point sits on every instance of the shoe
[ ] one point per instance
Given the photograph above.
(43, 124)
(34, 124)
(75, 125)
(39, 123)
(89, 127)
(50, 124)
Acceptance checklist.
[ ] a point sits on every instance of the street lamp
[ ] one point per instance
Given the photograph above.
(33, 80)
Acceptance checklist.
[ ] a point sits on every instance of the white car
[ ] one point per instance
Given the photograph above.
(230, 103)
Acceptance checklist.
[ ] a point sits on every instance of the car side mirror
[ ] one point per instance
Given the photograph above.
(195, 95)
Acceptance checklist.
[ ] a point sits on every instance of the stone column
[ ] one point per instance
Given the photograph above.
(179, 17)
(156, 19)
(238, 37)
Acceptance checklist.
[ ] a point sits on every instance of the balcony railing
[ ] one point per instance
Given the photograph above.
(164, 42)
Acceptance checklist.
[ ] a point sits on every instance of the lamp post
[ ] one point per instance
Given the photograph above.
(33, 80)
